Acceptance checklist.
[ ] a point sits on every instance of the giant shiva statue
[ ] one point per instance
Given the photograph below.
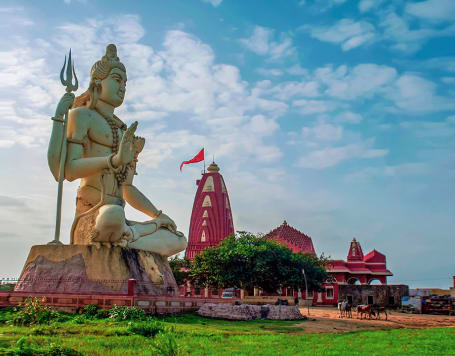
(103, 152)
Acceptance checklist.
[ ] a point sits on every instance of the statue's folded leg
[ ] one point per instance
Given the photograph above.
(161, 241)
(112, 227)
(110, 224)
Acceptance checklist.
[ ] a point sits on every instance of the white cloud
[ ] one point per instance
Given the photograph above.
(432, 9)
(308, 107)
(261, 42)
(215, 3)
(440, 63)
(368, 5)
(398, 30)
(391, 171)
(331, 156)
(347, 32)
(323, 132)
(287, 90)
(362, 80)
(269, 72)
(415, 94)
(431, 129)
(349, 117)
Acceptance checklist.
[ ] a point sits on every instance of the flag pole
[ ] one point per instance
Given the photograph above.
(204, 158)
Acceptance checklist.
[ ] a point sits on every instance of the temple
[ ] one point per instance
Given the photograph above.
(294, 239)
(211, 219)
(360, 269)
(357, 269)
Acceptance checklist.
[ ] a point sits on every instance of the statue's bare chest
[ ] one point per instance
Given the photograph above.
(101, 133)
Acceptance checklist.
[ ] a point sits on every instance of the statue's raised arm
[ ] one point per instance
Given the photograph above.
(103, 152)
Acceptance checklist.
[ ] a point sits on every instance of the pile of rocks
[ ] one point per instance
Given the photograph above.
(250, 312)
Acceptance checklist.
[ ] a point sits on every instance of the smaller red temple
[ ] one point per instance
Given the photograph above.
(294, 239)
(360, 269)
(357, 269)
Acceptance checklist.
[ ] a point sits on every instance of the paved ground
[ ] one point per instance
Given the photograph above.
(326, 319)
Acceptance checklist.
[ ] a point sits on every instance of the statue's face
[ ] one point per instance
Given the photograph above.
(113, 87)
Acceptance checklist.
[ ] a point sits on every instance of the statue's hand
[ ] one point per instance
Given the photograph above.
(126, 149)
(64, 104)
(166, 222)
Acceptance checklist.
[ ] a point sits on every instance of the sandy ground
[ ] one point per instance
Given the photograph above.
(323, 320)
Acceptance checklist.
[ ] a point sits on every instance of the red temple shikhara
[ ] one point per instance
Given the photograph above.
(211, 222)
(211, 219)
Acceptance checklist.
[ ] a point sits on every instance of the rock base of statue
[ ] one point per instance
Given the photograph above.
(250, 312)
(89, 269)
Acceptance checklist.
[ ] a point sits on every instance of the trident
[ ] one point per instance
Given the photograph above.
(68, 82)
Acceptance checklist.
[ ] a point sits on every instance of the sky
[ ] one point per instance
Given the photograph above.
(337, 116)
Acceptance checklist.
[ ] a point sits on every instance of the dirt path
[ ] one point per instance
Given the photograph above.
(323, 320)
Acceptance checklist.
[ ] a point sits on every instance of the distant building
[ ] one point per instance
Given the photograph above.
(357, 269)
(211, 218)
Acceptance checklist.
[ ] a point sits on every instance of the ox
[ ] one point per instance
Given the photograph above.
(378, 310)
(344, 309)
(364, 309)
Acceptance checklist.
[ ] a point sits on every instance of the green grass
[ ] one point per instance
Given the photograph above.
(203, 336)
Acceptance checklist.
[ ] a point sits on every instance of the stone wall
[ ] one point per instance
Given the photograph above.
(380, 294)
(250, 312)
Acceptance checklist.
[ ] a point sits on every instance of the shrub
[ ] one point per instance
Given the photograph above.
(44, 330)
(120, 313)
(102, 314)
(147, 329)
(165, 345)
(90, 311)
(23, 348)
(32, 311)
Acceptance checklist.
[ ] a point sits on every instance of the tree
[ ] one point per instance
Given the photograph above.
(246, 261)
(180, 268)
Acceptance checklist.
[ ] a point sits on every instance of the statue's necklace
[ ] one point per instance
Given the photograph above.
(121, 175)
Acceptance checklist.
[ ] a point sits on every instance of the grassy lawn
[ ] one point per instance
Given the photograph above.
(203, 336)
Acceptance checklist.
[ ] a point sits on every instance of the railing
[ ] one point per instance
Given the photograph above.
(151, 304)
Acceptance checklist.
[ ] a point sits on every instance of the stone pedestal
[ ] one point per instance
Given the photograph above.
(250, 312)
(87, 269)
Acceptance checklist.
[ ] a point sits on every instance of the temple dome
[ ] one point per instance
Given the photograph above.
(213, 168)
(211, 218)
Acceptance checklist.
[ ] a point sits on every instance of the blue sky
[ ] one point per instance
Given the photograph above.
(338, 116)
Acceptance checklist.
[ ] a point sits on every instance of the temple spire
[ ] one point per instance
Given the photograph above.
(355, 252)
(211, 218)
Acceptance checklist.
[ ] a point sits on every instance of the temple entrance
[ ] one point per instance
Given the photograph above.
(374, 282)
(353, 281)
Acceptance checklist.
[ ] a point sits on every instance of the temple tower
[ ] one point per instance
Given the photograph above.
(355, 253)
(211, 219)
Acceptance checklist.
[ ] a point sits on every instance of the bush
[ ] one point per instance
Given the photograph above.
(44, 330)
(23, 348)
(165, 345)
(121, 313)
(32, 311)
(102, 314)
(147, 329)
(90, 311)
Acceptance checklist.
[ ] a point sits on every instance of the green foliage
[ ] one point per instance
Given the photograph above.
(121, 313)
(165, 344)
(246, 261)
(91, 311)
(32, 311)
(147, 329)
(45, 330)
(24, 348)
(180, 268)
(190, 334)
